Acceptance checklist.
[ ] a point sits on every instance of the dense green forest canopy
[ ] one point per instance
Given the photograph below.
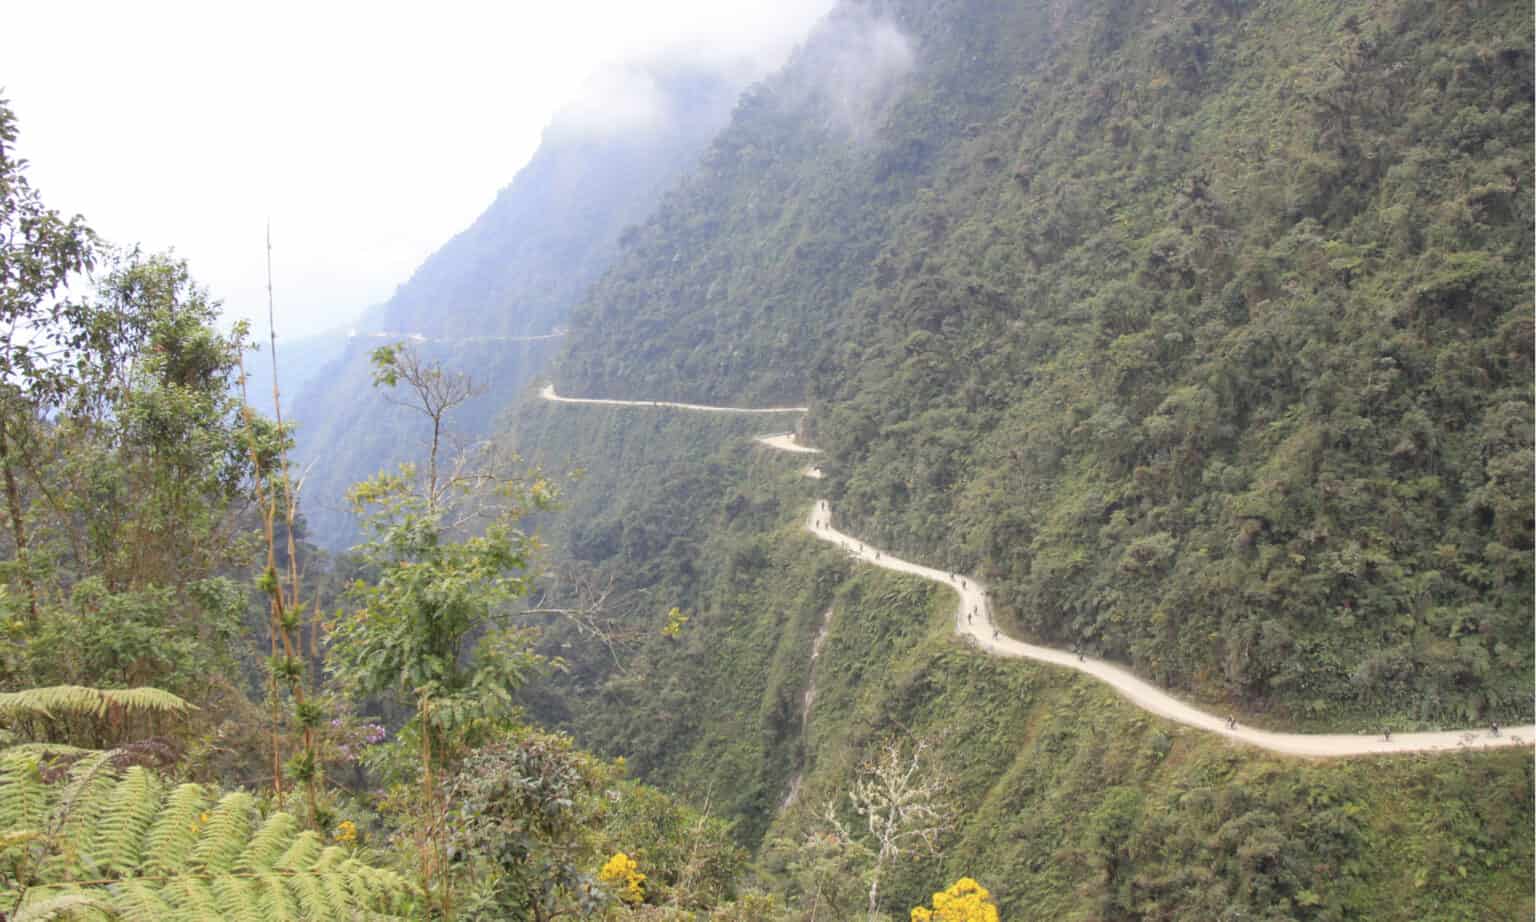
(189, 731)
(1202, 330)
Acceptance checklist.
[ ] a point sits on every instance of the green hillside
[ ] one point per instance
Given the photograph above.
(482, 301)
(1068, 797)
(1202, 332)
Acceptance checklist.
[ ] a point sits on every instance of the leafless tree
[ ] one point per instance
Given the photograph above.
(434, 392)
(464, 483)
(582, 602)
(901, 795)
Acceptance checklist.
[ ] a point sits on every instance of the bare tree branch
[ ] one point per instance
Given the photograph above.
(902, 798)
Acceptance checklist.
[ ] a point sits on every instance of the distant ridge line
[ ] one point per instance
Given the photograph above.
(422, 338)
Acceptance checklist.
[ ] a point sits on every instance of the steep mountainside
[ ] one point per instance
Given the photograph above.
(550, 234)
(485, 300)
(1065, 796)
(728, 290)
(300, 361)
(1202, 331)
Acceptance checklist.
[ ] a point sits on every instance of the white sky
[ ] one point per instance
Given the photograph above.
(369, 133)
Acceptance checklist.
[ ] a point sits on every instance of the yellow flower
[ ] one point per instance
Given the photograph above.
(964, 901)
(346, 831)
(620, 873)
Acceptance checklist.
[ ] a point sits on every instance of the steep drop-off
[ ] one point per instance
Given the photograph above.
(1202, 331)
(1066, 796)
(1235, 300)
(483, 302)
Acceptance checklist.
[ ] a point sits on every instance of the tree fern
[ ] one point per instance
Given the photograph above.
(227, 832)
(194, 899)
(122, 845)
(175, 831)
(74, 818)
(272, 891)
(125, 824)
(269, 842)
(303, 850)
(24, 799)
(77, 700)
(82, 800)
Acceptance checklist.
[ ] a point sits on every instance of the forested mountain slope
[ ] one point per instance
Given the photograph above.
(1202, 332)
(482, 301)
(794, 665)
(1201, 329)
(300, 360)
(730, 287)
(550, 233)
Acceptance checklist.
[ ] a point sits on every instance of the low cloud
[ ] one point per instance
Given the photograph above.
(619, 99)
(858, 59)
(737, 44)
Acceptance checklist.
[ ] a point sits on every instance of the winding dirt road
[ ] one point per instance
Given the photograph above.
(973, 621)
(548, 393)
(420, 338)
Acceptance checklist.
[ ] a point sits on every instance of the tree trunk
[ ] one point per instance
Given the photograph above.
(18, 527)
(874, 890)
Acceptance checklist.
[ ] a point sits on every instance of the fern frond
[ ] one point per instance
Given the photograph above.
(302, 852)
(45, 751)
(138, 901)
(341, 897)
(78, 700)
(146, 700)
(83, 774)
(224, 836)
(313, 897)
(279, 904)
(11, 838)
(194, 900)
(269, 843)
(41, 702)
(84, 798)
(175, 831)
(124, 827)
(330, 858)
(239, 898)
(171, 854)
(372, 886)
(23, 796)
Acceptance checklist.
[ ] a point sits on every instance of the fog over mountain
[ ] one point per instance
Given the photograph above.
(366, 134)
(976, 460)
(491, 302)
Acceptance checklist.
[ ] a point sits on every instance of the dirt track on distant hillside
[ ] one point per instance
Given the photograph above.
(973, 621)
(548, 393)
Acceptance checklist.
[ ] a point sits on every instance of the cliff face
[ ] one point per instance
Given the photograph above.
(488, 299)
(1200, 330)
(730, 288)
